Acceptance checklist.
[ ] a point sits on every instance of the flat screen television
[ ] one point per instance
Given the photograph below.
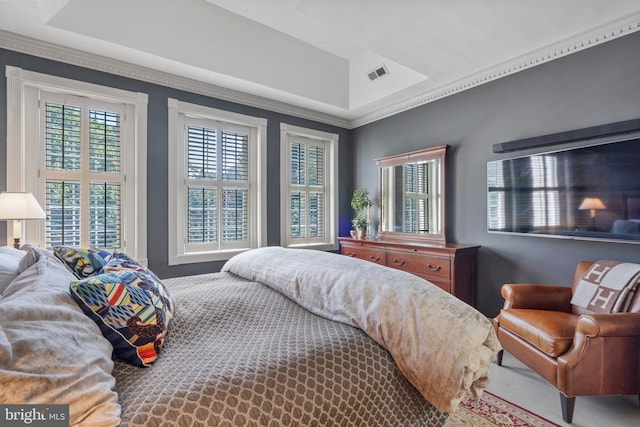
(589, 192)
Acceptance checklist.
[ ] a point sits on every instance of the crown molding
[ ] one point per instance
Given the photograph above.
(588, 39)
(43, 49)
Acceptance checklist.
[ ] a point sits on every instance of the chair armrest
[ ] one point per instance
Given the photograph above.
(604, 356)
(538, 297)
(618, 326)
(608, 325)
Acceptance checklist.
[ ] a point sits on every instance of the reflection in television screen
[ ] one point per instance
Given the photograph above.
(590, 192)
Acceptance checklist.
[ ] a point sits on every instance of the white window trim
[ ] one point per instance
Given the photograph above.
(22, 88)
(331, 139)
(177, 164)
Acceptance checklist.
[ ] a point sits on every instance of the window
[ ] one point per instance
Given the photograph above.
(91, 161)
(82, 175)
(416, 197)
(309, 187)
(217, 183)
(419, 183)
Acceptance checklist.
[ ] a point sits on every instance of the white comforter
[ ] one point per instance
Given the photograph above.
(442, 345)
(50, 352)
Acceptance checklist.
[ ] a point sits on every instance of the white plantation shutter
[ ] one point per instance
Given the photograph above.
(202, 201)
(235, 156)
(308, 187)
(316, 215)
(104, 197)
(85, 147)
(203, 215)
(104, 215)
(416, 197)
(202, 152)
(82, 172)
(62, 137)
(306, 190)
(235, 215)
(63, 213)
(104, 141)
(217, 185)
(298, 199)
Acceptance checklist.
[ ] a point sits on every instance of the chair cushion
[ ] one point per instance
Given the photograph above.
(549, 331)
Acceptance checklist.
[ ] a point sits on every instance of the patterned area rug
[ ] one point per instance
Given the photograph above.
(493, 411)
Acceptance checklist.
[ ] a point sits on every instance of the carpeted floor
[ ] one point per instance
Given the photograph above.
(492, 411)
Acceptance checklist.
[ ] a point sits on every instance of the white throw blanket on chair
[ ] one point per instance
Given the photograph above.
(607, 287)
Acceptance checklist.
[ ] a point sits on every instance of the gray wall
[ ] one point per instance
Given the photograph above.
(157, 179)
(588, 88)
(597, 86)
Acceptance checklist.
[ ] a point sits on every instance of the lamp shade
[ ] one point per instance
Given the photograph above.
(20, 206)
(592, 203)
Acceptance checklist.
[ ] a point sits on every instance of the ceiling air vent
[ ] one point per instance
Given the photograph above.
(380, 71)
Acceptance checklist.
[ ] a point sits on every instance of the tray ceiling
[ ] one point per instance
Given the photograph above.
(319, 56)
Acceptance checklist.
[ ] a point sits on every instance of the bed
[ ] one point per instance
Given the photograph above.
(279, 337)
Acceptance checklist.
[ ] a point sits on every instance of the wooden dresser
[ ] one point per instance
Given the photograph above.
(450, 266)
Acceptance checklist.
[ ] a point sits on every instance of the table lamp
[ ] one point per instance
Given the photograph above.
(18, 207)
(592, 204)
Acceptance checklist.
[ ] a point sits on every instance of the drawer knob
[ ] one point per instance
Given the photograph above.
(374, 259)
(432, 268)
(396, 262)
(351, 254)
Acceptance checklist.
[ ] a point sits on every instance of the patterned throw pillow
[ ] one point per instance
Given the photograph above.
(82, 262)
(119, 261)
(130, 305)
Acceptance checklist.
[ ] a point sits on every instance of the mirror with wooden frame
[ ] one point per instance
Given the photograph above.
(412, 196)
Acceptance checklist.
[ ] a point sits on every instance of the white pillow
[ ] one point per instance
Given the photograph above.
(9, 261)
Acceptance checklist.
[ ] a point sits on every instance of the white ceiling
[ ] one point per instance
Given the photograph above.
(316, 54)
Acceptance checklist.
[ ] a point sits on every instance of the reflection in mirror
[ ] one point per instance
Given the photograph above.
(412, 195)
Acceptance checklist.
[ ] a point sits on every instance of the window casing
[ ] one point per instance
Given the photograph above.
(308, 187)
(217, 183)
(89, 144)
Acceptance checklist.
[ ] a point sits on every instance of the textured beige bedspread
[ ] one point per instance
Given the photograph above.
(239, 353)
(442, 345)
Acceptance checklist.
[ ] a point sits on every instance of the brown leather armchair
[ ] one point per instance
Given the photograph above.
(580, 352)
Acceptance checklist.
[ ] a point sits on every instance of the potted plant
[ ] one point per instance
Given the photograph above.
(360, 202)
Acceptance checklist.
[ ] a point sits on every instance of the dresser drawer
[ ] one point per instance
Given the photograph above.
(451, 267)
(420, 264)
(445, 286)
(367, 254)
